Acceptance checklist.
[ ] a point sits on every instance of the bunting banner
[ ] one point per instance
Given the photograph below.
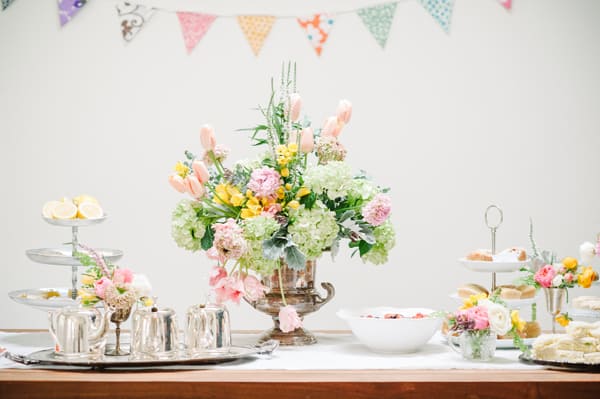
(378, 20)
(317, 30)
(256, 29)
(5, 4)
(440, 10)
(133, 18)
(67, 9)
(506, 3)
(194, 26)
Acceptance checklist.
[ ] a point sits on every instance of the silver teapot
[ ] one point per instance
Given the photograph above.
(79, 332)
(207, 329)
(155, 334)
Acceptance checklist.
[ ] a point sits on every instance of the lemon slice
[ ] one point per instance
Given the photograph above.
(64, 210)
(84, 198)
(48, 208)
(89, 210)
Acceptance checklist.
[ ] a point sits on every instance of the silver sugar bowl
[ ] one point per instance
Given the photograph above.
(207, 329)
(155, 334)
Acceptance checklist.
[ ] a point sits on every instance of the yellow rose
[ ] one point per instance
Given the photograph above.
(302, 192)
(562, 319)
(517, 321)
(570, 263)
(285, 172)
(288, 186)
(294, 204)
(586, 277)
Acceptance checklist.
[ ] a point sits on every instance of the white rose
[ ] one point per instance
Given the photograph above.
(557, 280)
(498, 316)
(558, 267)
(587, 251)
(141, 285)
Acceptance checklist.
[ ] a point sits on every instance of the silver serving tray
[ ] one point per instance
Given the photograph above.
(564, 366)
(34, 297)
(63, 256)
(74, 222)
(47, 357)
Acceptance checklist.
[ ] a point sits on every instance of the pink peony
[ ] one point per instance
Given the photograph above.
(271, 210)
(216, 274)
(545, 275)
(479, 315)
(122, 276)
(229, 239)
(289, 319)
(254, 289)
(377, 210)
(229, 289)
(264, 182)
(101, 285)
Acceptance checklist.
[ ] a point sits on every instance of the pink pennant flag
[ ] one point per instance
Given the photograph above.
(506, 3)
(194, 26)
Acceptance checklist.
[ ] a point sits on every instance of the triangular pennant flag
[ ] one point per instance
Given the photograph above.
(317, 30)
(5, 4)
(133, 18)
(378, 20)
(440, 10)
(506, 3)
(67, 9)
(256, 28)
(193, 27)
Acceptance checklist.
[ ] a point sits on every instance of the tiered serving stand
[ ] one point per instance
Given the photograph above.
(56, 298)
(493, 222)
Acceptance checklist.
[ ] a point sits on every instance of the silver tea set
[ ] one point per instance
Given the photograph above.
(81, 332)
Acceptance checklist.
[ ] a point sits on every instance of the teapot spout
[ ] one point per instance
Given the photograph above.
(99, 329)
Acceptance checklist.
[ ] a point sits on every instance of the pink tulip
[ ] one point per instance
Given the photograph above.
(307, 140)
(332, 127)
(177, 183)
(207, 138)
(201, 171)
(101, 285)
(194, 187)
(295, 105)
(289, 319)
(344, 111)
(122, 276)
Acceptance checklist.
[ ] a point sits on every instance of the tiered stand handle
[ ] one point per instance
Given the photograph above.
(493, 227)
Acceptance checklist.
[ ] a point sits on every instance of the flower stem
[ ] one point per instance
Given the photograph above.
(281, 286)
(216, 162)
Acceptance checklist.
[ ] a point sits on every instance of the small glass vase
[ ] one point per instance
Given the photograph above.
(555, 300)
(477, 345)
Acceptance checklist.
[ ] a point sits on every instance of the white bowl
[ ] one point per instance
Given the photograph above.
(405, 335)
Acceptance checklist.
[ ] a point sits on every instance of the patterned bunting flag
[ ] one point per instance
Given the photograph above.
(506, 4)
(193, 27)
(133, 18)
(256, 28)
(317, 30)
(440, 10)
(5, 4)
(67, 9)
(378, 20)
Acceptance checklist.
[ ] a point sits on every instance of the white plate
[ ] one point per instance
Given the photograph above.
(488, 267)
(512, 303)
(74, 222)
(34, 298)
(62, 256)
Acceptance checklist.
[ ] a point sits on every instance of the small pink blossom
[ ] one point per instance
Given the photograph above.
(122, 276)
(253, 288)
(216, 274)
(213, 254)
(377, 210)
(229, 289)
(264, 182)
(100, 286)
(229, 239)
(545, 275)
(479, 315)
(568, 277)
(289, 319)
(271, 210)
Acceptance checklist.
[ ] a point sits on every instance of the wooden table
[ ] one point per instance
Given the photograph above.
(284, 384)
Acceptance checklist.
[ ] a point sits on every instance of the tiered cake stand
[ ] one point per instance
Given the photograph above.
(55, 298)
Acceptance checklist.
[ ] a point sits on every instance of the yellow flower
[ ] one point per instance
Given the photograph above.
(86, 279)
(222, 194)
(253, 208)
(285, 172)
(472, 300)
(249, 193)
(294, 204)
(87, 296)
(181, 170)
(236, 197)
(288, 186)
(562, 319)
(586, 277)
(302, 192)
(293, 148)
(517, 321)
(280, 193)
(570, 263)
(147, 301)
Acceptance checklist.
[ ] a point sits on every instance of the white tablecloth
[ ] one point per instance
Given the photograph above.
(332, 352)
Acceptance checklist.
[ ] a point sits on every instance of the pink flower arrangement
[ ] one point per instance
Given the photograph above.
(265, 182)
(229, 289)
(479, 316)
(545, 275)
(377, 210)
(289, 319)
(229, 239)
(122, 276)
(101, 285)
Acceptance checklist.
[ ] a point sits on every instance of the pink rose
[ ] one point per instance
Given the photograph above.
(271, 210)
(254, 289)
(289, 319)
(216, 274)
(229, 289)
(377, 210)
(201, 171)
(122, 276)
(295, 105)
(479, 315)
(177, 183)
(568, 277)
(307, 140)
(545, 275)
(207, 138)
(332, 127)
(344, 111)
(101, 285)
(194, 187)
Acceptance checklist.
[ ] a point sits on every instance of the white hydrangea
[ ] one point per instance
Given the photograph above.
(334, 179)
(313, 230)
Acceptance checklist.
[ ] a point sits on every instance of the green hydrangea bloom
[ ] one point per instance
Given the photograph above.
(385, 239)
(187, 228)
(313, 230)
(334, 178)
(256, 230)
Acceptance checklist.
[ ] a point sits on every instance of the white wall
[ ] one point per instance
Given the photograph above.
(503, 110)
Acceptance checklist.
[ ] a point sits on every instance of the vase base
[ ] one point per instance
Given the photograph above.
(298, 337)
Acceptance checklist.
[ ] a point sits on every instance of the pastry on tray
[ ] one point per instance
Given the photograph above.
(581, 344)
(512, 254)
(516, 292)
(465, 291)
(587, 302)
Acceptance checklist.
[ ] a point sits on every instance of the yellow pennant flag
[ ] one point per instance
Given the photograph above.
(256, 28)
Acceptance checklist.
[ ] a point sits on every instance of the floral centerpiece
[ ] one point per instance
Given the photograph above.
(285, 208)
